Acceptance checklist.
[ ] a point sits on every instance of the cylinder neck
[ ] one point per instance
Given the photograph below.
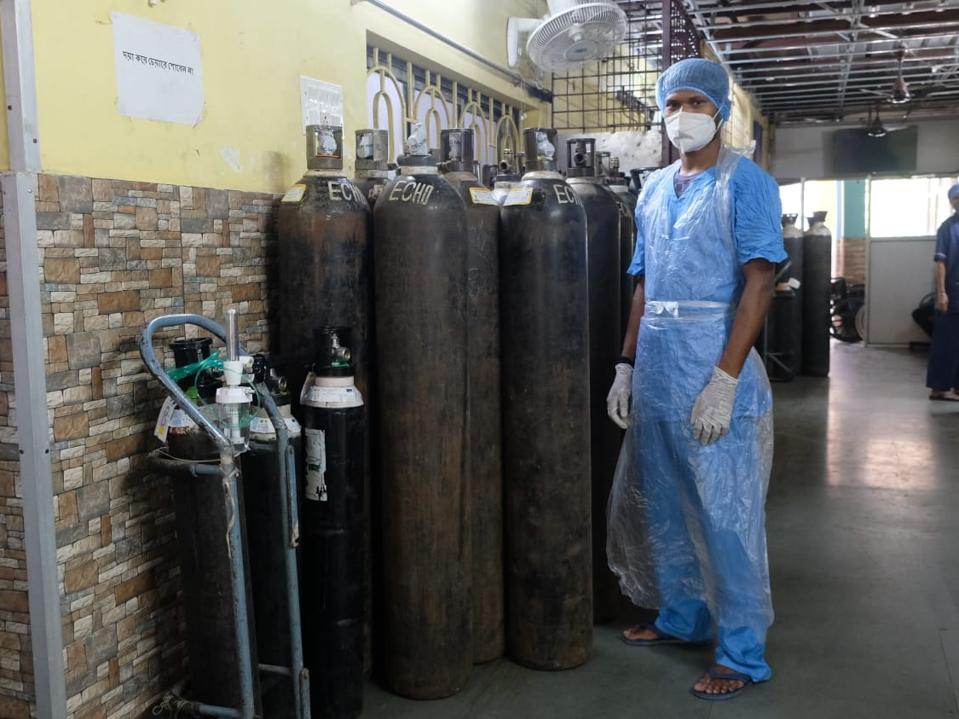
(324, 147)
(324, 173)
(540, 146)
(410, 166)
(371, 174)
(461, 176)
(457, 149)
(581, 157)
(372, 150)
(543, 175)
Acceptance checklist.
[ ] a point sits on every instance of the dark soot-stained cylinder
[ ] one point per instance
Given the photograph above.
(264, 499)
(332, 527)
(372, 163)
(323, 263)
(784, 337)
(420, 261)
(627, 245)
(544, 327)
(605, 344)
(484, 435)
(817, 281)
(202, 522)
(603, 226)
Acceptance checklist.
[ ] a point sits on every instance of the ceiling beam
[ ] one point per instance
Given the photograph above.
(752, 7)
(818, 28)
(831, 79)
(799, 69)
(903, 39)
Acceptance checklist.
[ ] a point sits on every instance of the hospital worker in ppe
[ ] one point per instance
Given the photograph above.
(942, 377)
(686, 514)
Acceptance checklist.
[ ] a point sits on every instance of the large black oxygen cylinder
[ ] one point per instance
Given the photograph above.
(484, 432)
(202, 522)
(420, 261)
(323, 259)
(267, 544)
(603, 225)
(332, 530)
(816, 287)
(507, 176)
(786, 312)
(626, 198)
(372, 174)
(372, 163)
(544, 329)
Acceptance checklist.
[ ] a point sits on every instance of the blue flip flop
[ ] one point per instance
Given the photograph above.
(730, 676)
(660, 638)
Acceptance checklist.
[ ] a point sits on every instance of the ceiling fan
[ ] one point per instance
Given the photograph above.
(573, 33)
(901, 93)
(875, 128)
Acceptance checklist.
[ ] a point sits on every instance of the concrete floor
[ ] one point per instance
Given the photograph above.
(863, 526)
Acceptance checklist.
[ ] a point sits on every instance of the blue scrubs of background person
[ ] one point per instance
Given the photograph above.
(687, 511)
(943, 373)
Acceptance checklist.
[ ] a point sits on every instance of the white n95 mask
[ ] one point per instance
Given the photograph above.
(691, 131)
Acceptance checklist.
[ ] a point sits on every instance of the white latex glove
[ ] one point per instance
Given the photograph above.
(713, 411)
(617, 401)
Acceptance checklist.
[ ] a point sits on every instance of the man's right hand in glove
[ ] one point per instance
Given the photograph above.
(617, 401)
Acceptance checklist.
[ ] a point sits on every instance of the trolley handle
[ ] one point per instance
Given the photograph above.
(156, 369)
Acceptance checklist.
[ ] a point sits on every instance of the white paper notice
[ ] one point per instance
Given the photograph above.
(158, 70)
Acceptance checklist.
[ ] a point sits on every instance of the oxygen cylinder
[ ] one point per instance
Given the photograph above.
(626, 198)
(603, 236)
(544, 331)
(484, 436)
(507, 176)
(200, 507)
(372, 163)
(266, 544)
(332, 529)
(816, 288)
(323, 258)
(785, 323)
(421, 261)
(619, 183)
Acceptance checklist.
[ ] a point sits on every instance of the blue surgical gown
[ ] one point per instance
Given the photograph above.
(687, 521)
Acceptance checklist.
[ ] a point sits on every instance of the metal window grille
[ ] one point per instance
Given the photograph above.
(400, 92)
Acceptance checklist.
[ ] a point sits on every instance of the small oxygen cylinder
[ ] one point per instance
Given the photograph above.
(264, 499)
(332, 526)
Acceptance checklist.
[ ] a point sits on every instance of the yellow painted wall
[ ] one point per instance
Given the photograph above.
(252, 54)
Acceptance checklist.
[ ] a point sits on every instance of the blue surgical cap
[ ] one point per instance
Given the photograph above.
(953, 192)
(703, 76)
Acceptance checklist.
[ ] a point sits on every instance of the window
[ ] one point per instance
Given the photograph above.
(399, 92)
(908, 207)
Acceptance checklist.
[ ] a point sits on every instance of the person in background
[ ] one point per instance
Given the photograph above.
(942, 376)
(687, 521)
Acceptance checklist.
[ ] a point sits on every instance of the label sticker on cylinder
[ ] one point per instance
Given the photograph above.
(170, 417)
(518, 196)
(315, 465)
(482, 196)
(261, 425)
(294, 194)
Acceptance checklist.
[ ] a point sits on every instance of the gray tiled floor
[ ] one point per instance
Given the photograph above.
(863, 525)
